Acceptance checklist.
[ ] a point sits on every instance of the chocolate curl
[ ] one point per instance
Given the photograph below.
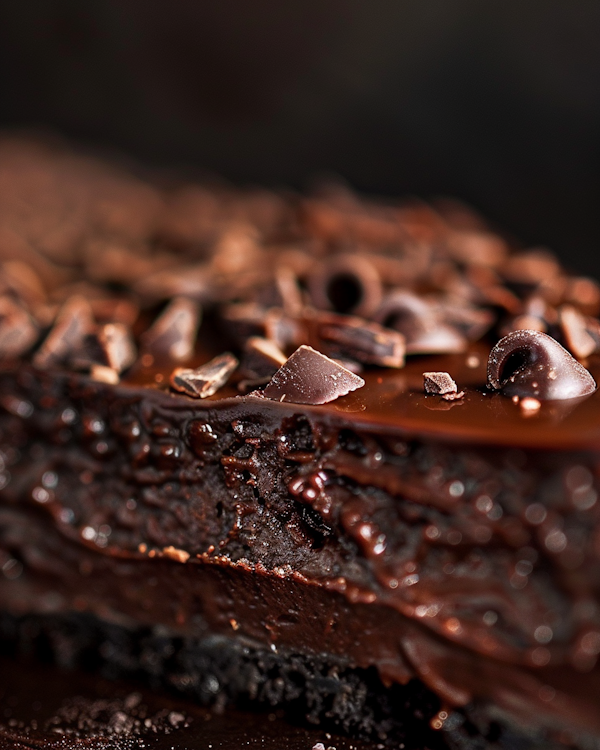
(346, 284)
(309, 377)
(73, 323)
(530, 364)
(173, 333)
(417, 321)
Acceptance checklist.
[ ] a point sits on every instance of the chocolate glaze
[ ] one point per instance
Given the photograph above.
(470, 565)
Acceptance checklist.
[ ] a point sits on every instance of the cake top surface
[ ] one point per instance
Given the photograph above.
(141, 280)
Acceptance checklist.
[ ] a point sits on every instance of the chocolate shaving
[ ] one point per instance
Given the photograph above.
(416, 319)
(348, 337)
(173, 333)
(73, 323)
(262, 358)
(577, 338)
(18, 332)
(309, 377)
(206, 380)
(117, 346)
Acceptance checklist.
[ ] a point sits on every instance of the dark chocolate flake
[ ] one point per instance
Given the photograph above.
(117, 345)
(348, 337)
(574, 329)
(533, 364)
(173, 333)
(72, 325)
(206, 380)
(18, 332)
(309, 377)
(262, 358)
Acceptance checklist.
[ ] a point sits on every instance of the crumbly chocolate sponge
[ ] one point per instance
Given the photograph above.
(214, 422)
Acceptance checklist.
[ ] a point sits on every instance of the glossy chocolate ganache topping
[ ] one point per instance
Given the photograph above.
(382, 408)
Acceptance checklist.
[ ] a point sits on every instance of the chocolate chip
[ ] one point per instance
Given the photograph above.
(309, 377)
(416, 319)
(346, 284)
(533, 364)
(573, 326)
(262, 358)
(206, 380)
(348, 337)
(18, 331)
(73, 323)
(173, 333)
(117, 346)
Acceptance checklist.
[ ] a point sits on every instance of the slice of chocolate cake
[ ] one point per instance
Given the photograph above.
(329, 455)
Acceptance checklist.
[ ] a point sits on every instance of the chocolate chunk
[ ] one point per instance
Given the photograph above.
(262, 358)
(309, 377)
(573, 325)
(416, 319)
(206, 380)
(347, 337)
(73, 323)
(346, 284)
(18, 332)
(173, 333)
(438, 383)
(117, 345)
(533, 364)
(441, 384)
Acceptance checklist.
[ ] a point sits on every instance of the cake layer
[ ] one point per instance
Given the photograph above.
(472, 567)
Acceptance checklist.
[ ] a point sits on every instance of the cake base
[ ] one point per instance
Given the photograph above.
(218, 671)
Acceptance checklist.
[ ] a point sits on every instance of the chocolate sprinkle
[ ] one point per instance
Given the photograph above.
(206, 380)
(309, 377)
(533, 364)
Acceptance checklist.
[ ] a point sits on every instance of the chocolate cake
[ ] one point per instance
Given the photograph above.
(326, 454)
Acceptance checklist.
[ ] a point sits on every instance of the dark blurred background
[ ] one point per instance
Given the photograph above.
(495, 102)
